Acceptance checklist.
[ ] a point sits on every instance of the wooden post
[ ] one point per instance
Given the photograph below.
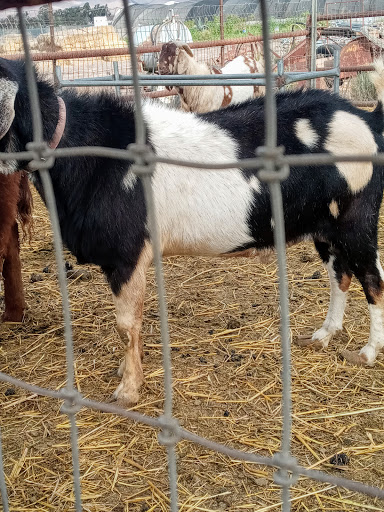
(52, 42)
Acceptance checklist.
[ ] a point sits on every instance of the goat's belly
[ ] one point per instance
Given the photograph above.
(202, 212)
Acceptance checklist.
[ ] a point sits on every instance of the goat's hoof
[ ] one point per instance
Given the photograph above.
(307, 341)
(125, 397)
(12, 317)
(354, 357)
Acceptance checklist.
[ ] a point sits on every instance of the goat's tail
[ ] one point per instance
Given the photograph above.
(24, 205)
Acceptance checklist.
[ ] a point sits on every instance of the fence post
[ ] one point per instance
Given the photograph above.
(313, 40)
(52, 42)
(280, 71)
(336, 64)
(116, 76)
(222, 31)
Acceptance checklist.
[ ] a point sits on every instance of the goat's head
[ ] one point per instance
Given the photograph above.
(173, 59)
(15, 112)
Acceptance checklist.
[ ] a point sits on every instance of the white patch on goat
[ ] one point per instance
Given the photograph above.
(306, 133)
(334, 319)
(130, 180)
(350, 135)
(272, 223)
(255, 184)
(334, 209)
(378, 265)
(198, 211)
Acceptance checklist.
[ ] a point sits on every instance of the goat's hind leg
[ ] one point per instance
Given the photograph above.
(371, 276)
(340, 277)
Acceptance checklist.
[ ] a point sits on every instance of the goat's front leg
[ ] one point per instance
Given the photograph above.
(129, 315)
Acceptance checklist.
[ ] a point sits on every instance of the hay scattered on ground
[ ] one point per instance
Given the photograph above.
(224, 324)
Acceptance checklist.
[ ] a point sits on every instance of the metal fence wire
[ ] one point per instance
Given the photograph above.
(273, 168)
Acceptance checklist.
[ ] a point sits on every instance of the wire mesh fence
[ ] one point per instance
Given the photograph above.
(274, 168)
(351, 26)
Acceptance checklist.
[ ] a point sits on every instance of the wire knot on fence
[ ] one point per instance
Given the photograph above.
(42, 156)
(170, 431)
(287, 475)
(141, 155)
(274, 169)
(72, 403)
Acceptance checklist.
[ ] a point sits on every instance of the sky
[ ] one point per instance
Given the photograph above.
(112, 4)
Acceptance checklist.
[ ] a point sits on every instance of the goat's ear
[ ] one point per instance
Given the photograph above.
(187, 49)
(8, 91)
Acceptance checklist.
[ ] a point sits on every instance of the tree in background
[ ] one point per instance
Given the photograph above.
(73, 16)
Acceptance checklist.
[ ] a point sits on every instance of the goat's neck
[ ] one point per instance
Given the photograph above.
(197, 68)
(200, 99)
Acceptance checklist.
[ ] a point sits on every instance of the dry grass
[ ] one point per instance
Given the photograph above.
(226, 385)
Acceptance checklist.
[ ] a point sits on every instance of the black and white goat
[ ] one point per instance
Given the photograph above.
(103, 214)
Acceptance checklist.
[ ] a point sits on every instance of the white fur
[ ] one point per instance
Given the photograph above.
(239, 92)
(376, 334)
(130, 180)
(334, 209)
(377, 78)
(350, 135)
(199, 211)
(204, 99)
(255, 184)
(306, 133)
(378, 265)
(334, 319)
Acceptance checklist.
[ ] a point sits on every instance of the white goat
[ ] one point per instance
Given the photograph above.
(176, 58)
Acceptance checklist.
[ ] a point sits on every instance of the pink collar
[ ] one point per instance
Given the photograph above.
(55, 141)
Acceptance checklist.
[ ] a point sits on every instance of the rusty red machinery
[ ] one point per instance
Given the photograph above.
(356, 55)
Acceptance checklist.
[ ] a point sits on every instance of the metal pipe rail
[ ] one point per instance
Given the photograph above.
(113, 52)
(199, 80)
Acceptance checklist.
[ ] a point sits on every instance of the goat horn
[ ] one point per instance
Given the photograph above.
(184, 46)
(187, 49)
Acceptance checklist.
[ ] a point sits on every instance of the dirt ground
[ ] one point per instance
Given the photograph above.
(224, 322)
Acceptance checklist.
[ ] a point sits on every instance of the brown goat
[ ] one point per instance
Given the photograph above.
(15, 204)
